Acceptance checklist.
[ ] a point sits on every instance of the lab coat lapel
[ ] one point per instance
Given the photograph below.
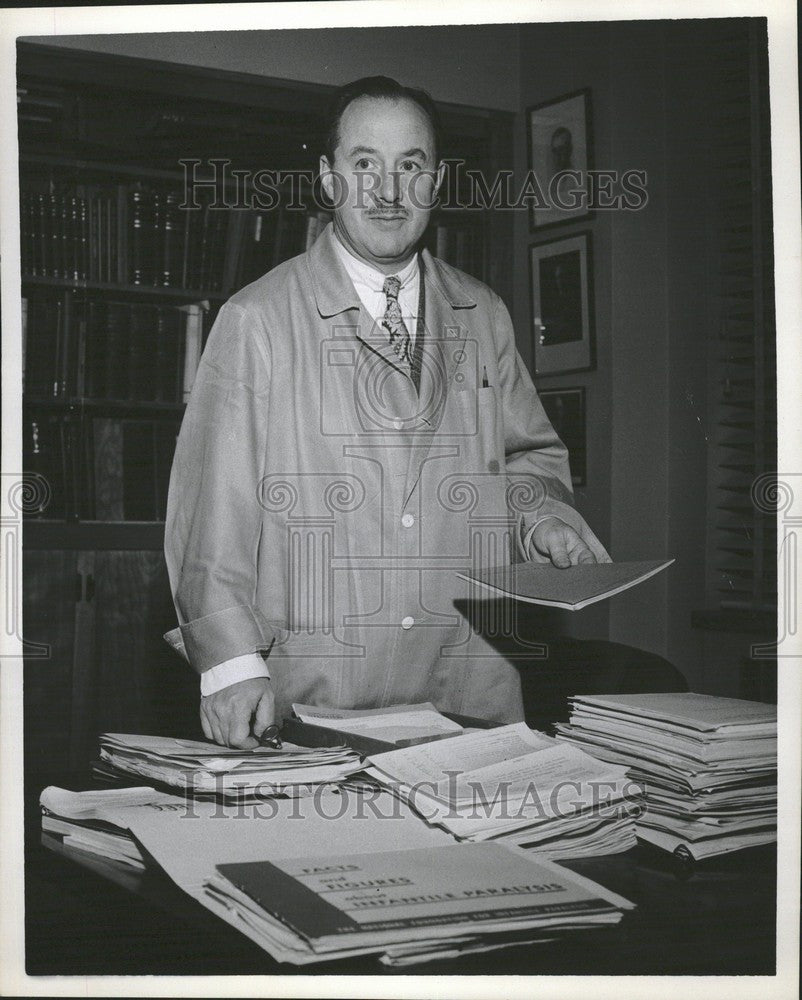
(444, 358)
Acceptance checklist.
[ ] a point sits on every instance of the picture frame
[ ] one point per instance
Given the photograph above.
(559, 150)
(560, 282)
(565, 409)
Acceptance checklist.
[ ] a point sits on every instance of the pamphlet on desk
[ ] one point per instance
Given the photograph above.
(409, 904)
(572, 588)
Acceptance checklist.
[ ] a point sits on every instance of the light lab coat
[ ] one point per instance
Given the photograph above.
(319, 506)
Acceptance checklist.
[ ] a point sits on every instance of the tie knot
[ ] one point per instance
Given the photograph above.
(392, 286)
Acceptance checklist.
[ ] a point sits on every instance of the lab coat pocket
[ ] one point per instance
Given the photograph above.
(476, 421)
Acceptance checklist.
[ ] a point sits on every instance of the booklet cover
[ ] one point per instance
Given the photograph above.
(391, 893)
(572, 588)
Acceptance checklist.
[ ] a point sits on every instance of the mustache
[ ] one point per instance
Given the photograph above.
(387, 213)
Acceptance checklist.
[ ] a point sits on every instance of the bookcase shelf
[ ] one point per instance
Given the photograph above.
(93, 536)
(103, 289)
(112, 407)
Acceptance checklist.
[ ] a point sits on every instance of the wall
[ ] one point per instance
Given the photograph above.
(457, 63)
(646, 398)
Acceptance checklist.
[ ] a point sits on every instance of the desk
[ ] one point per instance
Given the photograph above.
(87, 917)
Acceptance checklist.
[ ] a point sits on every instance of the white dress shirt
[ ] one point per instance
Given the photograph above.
(369, 285)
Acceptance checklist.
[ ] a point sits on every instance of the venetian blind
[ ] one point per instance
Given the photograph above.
(742, 559)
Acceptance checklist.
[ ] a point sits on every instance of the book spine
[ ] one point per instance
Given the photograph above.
(193, 333)
(136, 243)
(170, 267)
(24, 344)
(122, 229)
(43, 234)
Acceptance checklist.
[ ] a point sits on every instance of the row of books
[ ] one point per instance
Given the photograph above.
(101, 468)
(459, 244)
(106, 350)
(143, 235)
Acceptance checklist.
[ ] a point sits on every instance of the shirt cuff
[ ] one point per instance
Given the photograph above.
(240, 668)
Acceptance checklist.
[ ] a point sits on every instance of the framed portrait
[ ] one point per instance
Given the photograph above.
(565, 408)
(560, 279)
(559, 159)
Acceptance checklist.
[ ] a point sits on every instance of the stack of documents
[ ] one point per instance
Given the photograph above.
(409, 905)
(708, 765)
(515, 785)
(96, 822)
(208, 769)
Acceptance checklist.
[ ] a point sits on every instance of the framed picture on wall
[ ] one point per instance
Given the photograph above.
(559, 159)
(565, 408)
(560, 282)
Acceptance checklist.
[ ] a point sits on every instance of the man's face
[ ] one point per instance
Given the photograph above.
(387, 180)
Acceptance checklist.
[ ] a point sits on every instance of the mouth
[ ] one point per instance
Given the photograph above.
(387, 216)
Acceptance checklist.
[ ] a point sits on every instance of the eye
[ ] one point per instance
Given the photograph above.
(363, 163)
(409, 166)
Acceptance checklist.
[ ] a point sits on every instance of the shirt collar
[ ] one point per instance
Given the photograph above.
(362, 273)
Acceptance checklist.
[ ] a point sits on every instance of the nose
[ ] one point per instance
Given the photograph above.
(389, 189)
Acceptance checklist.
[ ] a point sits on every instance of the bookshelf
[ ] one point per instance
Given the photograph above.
(120, 288)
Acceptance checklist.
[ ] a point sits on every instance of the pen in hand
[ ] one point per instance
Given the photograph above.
(270, 738)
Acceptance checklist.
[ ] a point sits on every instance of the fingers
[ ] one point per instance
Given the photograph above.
(239, 732)
(217, 730)
(581, 554)
(265, 713)
(558, 550)
(207, 729)
(226, 715)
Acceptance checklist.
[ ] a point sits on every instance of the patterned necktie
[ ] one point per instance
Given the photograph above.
(392, 322)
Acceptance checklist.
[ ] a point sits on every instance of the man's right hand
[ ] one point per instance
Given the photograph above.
(231, 716)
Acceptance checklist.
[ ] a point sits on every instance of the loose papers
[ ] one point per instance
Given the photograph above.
(206, 768)
(708, 765)
(401, 724)
(516, 784)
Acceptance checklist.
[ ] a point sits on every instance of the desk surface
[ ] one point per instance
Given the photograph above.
(95, 918)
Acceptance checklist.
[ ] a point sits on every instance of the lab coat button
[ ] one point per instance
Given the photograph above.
(408, 520)
(407, 622)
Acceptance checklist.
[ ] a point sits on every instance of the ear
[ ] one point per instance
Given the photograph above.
(326, 179)
(441, 172)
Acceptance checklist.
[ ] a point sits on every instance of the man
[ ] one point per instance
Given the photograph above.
(360, 428)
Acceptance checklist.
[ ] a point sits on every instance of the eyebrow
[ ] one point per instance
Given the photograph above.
(416, 151)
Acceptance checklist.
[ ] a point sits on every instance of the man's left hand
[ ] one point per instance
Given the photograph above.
(561, 543)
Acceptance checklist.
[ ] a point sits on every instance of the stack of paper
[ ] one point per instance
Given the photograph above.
(708, 765)
(410, 905)
(515, 785)
(96, 822)
(205, 768)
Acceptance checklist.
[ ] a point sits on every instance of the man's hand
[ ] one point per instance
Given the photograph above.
(226, 715)
(561, 543)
